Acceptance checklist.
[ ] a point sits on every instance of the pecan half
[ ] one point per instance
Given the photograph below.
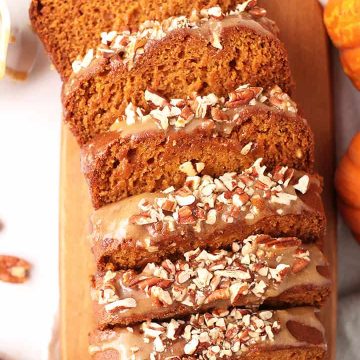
(13, 269)
(324, 270)
(305, 333)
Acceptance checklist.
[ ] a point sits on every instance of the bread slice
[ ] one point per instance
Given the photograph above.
(294, 334)
(180, 56)
(261, 270)
(146, 152)
(68, 28)
(208, 213)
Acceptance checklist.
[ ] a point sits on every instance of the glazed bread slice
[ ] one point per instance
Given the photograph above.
(261, 270)
(144, 152)
(180, 56)
(208, 213)
(68, 28)
(294, 334)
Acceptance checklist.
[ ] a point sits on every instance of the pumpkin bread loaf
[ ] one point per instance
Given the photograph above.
(261, 270)
(180, 56)
(68, 28)
(208, 213)
(238, 334)
(146, 152)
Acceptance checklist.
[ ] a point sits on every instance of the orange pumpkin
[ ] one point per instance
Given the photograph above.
(342, 20)
(347, 183)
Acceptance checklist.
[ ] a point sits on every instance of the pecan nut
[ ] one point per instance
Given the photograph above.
(299, 265)
(13, 269)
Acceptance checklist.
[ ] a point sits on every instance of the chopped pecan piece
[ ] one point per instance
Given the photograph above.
(284, 242)
(220, 294)
(299, 265)
(242, 96)
(169, 205)
(142, 219)
(257, 11)
(186, 216)
(187, 113)
(148, 283)
(219, 115)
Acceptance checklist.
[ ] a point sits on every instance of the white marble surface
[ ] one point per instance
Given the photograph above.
(29, 177)
(30, 115)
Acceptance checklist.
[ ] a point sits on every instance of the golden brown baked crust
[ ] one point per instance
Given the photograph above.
(146, 152)
(276, 335)
(261, 270)
(182, 61)
(208, 213)
(68, 28)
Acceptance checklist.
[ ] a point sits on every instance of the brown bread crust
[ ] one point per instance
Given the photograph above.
(99, 94)
(68, 28)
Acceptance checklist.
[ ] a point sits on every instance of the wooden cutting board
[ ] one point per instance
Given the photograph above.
(303, 32)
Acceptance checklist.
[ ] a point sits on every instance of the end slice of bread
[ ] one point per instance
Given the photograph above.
(69, 28)
(177, 58)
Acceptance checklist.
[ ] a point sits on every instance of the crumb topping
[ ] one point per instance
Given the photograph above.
(177, 113)
(203, 277)
(129, 45)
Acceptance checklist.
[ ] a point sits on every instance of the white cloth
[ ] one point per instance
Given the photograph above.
(29, 157)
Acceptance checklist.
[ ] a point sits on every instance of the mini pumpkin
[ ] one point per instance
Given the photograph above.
(342, 20)
(347, 179)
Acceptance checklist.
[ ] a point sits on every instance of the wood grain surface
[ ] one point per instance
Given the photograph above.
(303, 32)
